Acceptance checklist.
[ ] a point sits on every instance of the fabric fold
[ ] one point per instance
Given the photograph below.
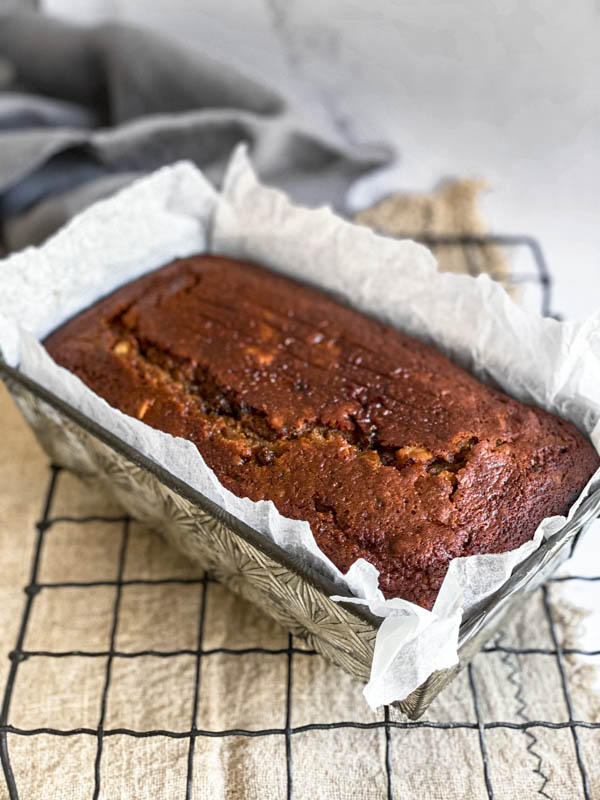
(87, 103)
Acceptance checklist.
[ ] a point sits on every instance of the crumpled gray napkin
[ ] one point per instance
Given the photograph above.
(85, 110)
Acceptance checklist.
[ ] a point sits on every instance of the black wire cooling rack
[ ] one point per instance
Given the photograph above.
(538, 277)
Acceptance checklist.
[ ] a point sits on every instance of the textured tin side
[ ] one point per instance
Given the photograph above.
(300, 605)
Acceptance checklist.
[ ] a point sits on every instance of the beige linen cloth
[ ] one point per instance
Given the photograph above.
(246, 669)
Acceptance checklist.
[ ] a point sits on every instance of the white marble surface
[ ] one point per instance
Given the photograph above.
(507, 91)
(504, 90)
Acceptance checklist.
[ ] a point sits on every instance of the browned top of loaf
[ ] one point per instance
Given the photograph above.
(389, 450)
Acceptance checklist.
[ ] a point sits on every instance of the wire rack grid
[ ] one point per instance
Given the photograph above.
(537, 277)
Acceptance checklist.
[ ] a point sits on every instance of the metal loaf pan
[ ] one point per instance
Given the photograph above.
(293, 594)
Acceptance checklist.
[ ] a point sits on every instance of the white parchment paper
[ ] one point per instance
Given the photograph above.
(175, 212)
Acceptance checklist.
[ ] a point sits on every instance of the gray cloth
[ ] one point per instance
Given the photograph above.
(84, 110)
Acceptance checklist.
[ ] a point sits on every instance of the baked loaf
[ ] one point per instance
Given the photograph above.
(390, 451)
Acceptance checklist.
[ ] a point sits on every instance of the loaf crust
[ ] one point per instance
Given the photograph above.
(390, 451)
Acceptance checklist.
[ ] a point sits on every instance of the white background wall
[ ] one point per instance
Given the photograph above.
(505, 90)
